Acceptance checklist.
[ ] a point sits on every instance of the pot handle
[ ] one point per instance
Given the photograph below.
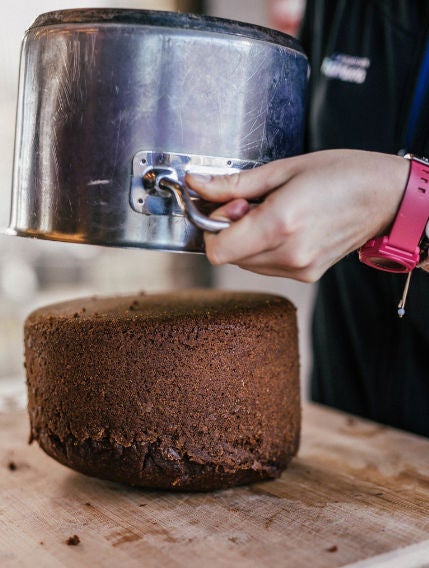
(183, 197)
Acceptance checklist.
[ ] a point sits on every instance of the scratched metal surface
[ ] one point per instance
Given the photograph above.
(92, 95)
(357, 493)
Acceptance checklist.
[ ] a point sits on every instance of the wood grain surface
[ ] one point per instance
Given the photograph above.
(357, 495)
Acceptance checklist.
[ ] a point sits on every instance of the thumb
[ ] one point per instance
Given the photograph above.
(246, 184)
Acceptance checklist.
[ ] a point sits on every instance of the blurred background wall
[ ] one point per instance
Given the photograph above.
(33, 273)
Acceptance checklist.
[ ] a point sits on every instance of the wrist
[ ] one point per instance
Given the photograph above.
(400, 251)
(394, 177)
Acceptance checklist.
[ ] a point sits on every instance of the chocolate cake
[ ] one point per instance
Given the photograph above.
(193, 390)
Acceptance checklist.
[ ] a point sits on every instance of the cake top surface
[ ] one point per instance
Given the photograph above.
(193, 302)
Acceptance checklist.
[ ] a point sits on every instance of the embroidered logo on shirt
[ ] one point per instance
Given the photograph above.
(347, 68)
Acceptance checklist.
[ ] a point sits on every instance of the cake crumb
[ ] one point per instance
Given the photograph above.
(12, 466)
(73, 540)
(333, 548)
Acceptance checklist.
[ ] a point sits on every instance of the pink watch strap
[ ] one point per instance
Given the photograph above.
(400, 250)
(413, 212)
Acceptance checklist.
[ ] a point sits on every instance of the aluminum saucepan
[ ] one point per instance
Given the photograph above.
(115, 106)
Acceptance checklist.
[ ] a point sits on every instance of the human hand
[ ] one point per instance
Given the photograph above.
(317, 208)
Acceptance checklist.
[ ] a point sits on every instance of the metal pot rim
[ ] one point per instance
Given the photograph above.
(168, 20)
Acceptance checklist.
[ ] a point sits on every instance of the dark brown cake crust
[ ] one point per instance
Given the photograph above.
(195, 390)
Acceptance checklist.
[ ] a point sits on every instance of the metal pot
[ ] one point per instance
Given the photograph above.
(116, 105)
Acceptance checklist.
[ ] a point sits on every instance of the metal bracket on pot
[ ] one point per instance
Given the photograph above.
(157, 186)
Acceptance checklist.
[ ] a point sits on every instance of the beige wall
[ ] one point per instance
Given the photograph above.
(252, 11)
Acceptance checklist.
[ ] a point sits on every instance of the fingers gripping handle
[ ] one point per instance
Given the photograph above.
(187, 205)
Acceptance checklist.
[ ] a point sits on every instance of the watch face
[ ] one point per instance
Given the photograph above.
(386, 264)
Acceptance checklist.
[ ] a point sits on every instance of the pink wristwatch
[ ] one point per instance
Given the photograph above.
(400, 251)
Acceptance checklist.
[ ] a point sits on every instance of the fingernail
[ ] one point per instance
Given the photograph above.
(219, 218)
(201, 178)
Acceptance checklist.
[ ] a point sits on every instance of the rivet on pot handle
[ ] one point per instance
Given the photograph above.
(181, 192)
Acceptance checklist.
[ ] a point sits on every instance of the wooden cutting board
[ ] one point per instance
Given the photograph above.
(357, 493)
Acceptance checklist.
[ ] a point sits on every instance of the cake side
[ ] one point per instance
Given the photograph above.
(195, 390)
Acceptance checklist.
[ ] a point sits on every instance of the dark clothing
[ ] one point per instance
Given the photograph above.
(365, 59)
